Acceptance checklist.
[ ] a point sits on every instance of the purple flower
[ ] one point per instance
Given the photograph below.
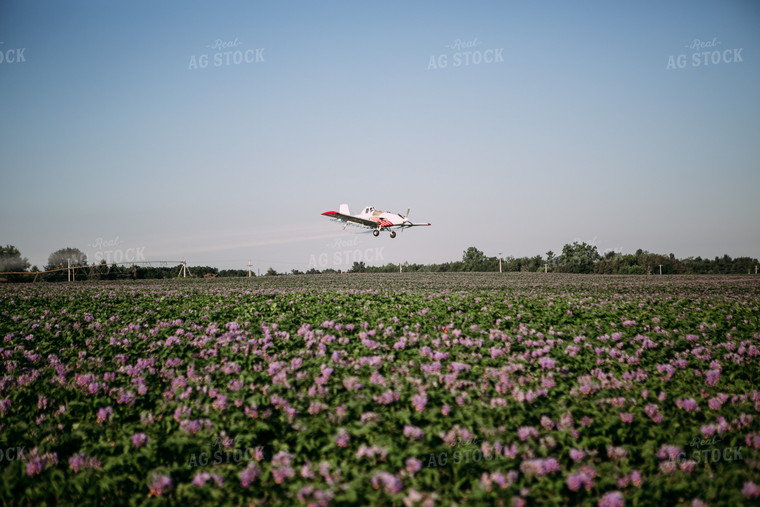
(282, 470)
(612, 499)
(688, 404)
(712, 377)
(577, 455)
(419, 401)
(342, 438)
(525, 432)
(574, 482)
(220, 403)
(82, 461)
(34, 466)
(389, 482)
(584, 478)
(687, 465)
(547, 423)
(371, 452)
(616, 452)
(199, 480)
(159, 484)
(188, 426)
(139, 439)
(249, 475)
(539, 466)
(667, 467)
(413, 465)
(670, 452)
(653, 411)
(547, 363)
(413, 432)
(352, 383)
(750, 490)
(104, 413)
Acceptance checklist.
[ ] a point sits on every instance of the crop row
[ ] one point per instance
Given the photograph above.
(413, 389)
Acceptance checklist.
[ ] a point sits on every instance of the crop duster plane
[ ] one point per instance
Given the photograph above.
(374, 219)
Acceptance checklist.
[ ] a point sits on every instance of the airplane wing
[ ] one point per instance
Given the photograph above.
(348, 218)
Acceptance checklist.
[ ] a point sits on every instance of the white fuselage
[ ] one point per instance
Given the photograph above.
(383, 218)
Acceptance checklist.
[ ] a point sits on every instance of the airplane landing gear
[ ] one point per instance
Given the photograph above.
(375, 233)
(393, 234)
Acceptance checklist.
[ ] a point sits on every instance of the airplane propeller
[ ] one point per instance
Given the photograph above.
(406, 218)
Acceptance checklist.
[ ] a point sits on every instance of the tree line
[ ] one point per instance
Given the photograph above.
(11, 261)
(581, 258)
(574, 258)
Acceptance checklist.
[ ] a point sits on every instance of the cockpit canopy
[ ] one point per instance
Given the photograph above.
(369, 209)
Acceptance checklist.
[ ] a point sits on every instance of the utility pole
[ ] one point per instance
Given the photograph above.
(499, 262)
(68, 268)
(249, 268)
(546, 267)
(660, 268)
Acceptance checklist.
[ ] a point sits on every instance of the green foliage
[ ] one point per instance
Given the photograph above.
(273, 368)
(578, 258)
(11, 260)
(358, 267)
(66, 257)
(473, 259)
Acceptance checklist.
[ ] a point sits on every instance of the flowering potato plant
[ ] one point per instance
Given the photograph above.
(417, 389)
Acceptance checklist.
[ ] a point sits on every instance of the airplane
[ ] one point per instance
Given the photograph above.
(373, 219)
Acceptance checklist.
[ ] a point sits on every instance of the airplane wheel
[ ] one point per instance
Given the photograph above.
(393, 234)
(376, 233)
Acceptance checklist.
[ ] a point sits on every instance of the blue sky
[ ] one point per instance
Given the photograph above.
(572, 128)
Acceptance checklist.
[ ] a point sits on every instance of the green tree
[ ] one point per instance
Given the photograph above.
(11, 260)
(550, 259)
(358, 267)
(60, 259)
(578, 258)
(473, 259)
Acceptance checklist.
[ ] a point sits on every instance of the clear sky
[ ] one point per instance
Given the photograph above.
(220, 131)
